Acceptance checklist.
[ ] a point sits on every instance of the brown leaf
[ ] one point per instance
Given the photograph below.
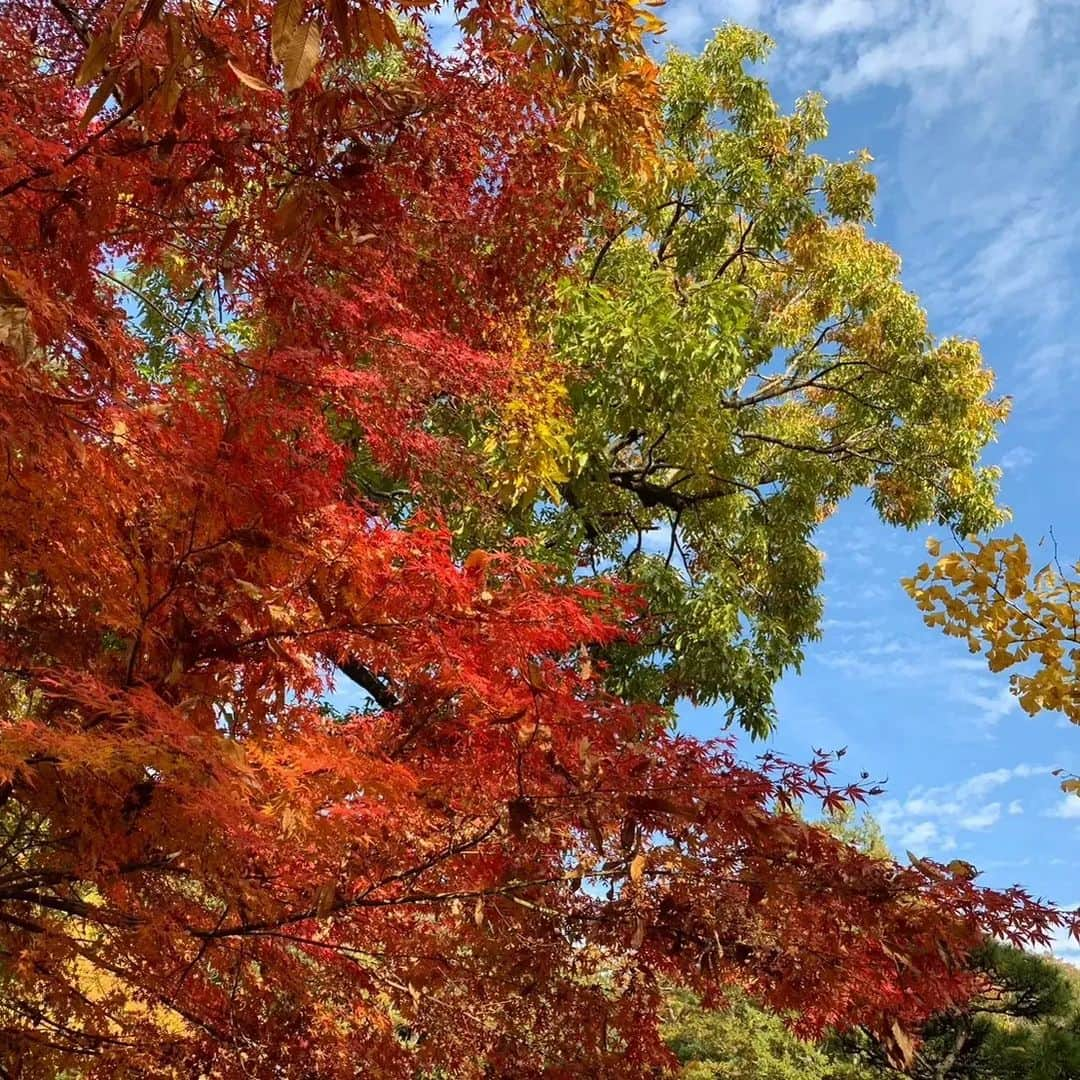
(376, 28)
(534, 673)
(324, 903)
(900, 1047)
(301, 55)
(339, 15)
(288, 214)
(253, 82)
(97, 56)
(595, 833)
(476, 561)
(100, 96)
(637, 867)
(283, 26)
(151, 13)
(520, 814)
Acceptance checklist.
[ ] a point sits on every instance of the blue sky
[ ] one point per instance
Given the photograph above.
(971, 109)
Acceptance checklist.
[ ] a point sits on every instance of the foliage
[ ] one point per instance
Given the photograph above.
(207, 514)
(1023, 1025)
(739, 1040)
(741, 357)
(988, 595)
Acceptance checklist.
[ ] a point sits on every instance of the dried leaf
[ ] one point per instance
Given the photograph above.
(151, 13)
(324, 903)
(97, 56)
(476, 560)
(339, 16)
(301, 55)
(900, 1047)
(283, 26)
(376, 28)
(100, 96)
(253, 82)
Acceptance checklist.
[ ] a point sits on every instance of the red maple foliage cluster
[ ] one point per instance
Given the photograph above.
(203, 871)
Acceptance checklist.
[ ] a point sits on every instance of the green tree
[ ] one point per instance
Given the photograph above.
(742, 357)
(742, 1041)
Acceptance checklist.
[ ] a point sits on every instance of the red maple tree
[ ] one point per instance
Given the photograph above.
(204, 871)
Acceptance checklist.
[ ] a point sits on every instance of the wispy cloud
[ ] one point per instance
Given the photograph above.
(1017, 459)
(984, 101)
(814, 19)
(930, 819)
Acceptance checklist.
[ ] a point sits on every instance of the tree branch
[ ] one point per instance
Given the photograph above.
(367, 680)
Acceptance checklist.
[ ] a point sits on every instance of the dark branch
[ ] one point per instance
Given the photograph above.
(367, 680)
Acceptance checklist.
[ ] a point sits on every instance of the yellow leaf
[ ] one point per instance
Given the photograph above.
(933, 545)
(301, 55)
(962, 869)
(637, 868)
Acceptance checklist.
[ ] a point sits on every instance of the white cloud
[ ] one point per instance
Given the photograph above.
(742, 11)
(985, 782)
(922, 835)
(1017, 459)
(1068, 808)
(1063, 945)
(930, 819)
(688, 24)
(982, 818)
(813, 19)
(984, 98)
(990, 707)
(927, 47)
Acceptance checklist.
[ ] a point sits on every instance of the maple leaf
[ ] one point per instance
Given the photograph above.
(252, 346)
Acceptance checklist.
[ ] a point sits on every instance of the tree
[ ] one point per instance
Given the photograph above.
(267, 270)
(740, 1039)
(1022, 1025)
(741, 357)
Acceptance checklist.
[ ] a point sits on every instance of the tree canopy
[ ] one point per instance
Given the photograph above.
(1023, 1023)
(990, 595)
(740, 357)
(312, 366)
